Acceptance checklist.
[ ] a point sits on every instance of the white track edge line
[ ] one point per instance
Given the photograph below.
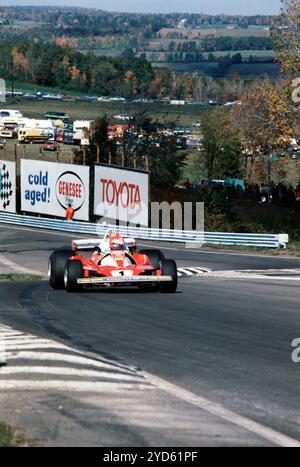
(218, 410)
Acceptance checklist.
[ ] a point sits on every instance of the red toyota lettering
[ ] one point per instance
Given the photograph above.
(128, 195)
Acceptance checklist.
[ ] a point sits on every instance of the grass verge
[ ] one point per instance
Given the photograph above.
(9, 437)
(19, 277)
(293, 249)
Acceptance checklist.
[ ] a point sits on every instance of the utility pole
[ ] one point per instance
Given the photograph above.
(12, 75)
(98, 153)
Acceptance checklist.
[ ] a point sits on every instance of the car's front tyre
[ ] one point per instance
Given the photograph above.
(73, 272)
(57, 263)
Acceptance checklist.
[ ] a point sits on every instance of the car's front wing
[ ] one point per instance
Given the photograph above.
(124, 279)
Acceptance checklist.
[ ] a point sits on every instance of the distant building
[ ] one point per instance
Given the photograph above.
(182, 24)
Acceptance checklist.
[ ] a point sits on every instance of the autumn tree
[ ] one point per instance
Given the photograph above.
(286, 36)
(187, 86)
(266, 120)
(266, 116)
(161, 86)
(221, 145)
(20, 62)
(63, 73)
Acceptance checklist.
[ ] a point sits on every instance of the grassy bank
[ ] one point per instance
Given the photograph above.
(9, 437)
(292, 250)
(19, 277)
(34, 152)
(184, 114)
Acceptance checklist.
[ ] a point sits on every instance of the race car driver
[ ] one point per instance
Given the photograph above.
(114, 242)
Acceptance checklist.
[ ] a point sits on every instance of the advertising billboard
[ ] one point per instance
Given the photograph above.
(121, 194)
(50, 187)
(7, 186)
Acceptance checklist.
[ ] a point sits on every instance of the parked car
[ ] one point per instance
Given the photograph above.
(123, 117)
(82, 99)
(214, 103)
(30, 95)
(191, 144)
(54, 97)
(50, 146)
(63, 116)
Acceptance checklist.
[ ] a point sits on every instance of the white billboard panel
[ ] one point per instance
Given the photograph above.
(121, 194)
(8, 186)
(49, 187)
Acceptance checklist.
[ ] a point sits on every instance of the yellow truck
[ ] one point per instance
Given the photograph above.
(27, 135)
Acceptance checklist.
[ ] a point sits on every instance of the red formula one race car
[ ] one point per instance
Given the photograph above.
(114, 262)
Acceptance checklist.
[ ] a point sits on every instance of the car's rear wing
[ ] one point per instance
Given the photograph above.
(86, 244)
(91, 243)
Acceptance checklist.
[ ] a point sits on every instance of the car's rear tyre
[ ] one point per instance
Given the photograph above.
(155, 257)
(169, 268)
(73, 272)
(57, 263)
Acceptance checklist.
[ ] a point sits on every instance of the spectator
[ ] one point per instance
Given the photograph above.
(69, 213)
(187, 184)
(297, 192)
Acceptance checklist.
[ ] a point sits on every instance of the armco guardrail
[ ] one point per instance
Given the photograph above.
(182, 236)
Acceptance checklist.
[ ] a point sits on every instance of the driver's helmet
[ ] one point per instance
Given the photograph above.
(116, 242)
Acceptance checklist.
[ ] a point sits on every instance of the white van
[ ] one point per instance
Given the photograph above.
(10, 113)
(83, 125)
(80, 127)
(10, 118)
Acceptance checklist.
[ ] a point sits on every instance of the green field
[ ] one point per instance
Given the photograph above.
(207, 68)
(34, 151)
(245, 70)
(244, 53)
(156, 57)
(184, 115)
(102, 52)
(217, 31)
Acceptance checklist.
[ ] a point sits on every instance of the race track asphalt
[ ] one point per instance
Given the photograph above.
(225, 341)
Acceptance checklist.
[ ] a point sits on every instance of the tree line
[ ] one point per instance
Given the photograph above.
(55, 66)
(48, 64)
(223, 44)
(75, 20)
